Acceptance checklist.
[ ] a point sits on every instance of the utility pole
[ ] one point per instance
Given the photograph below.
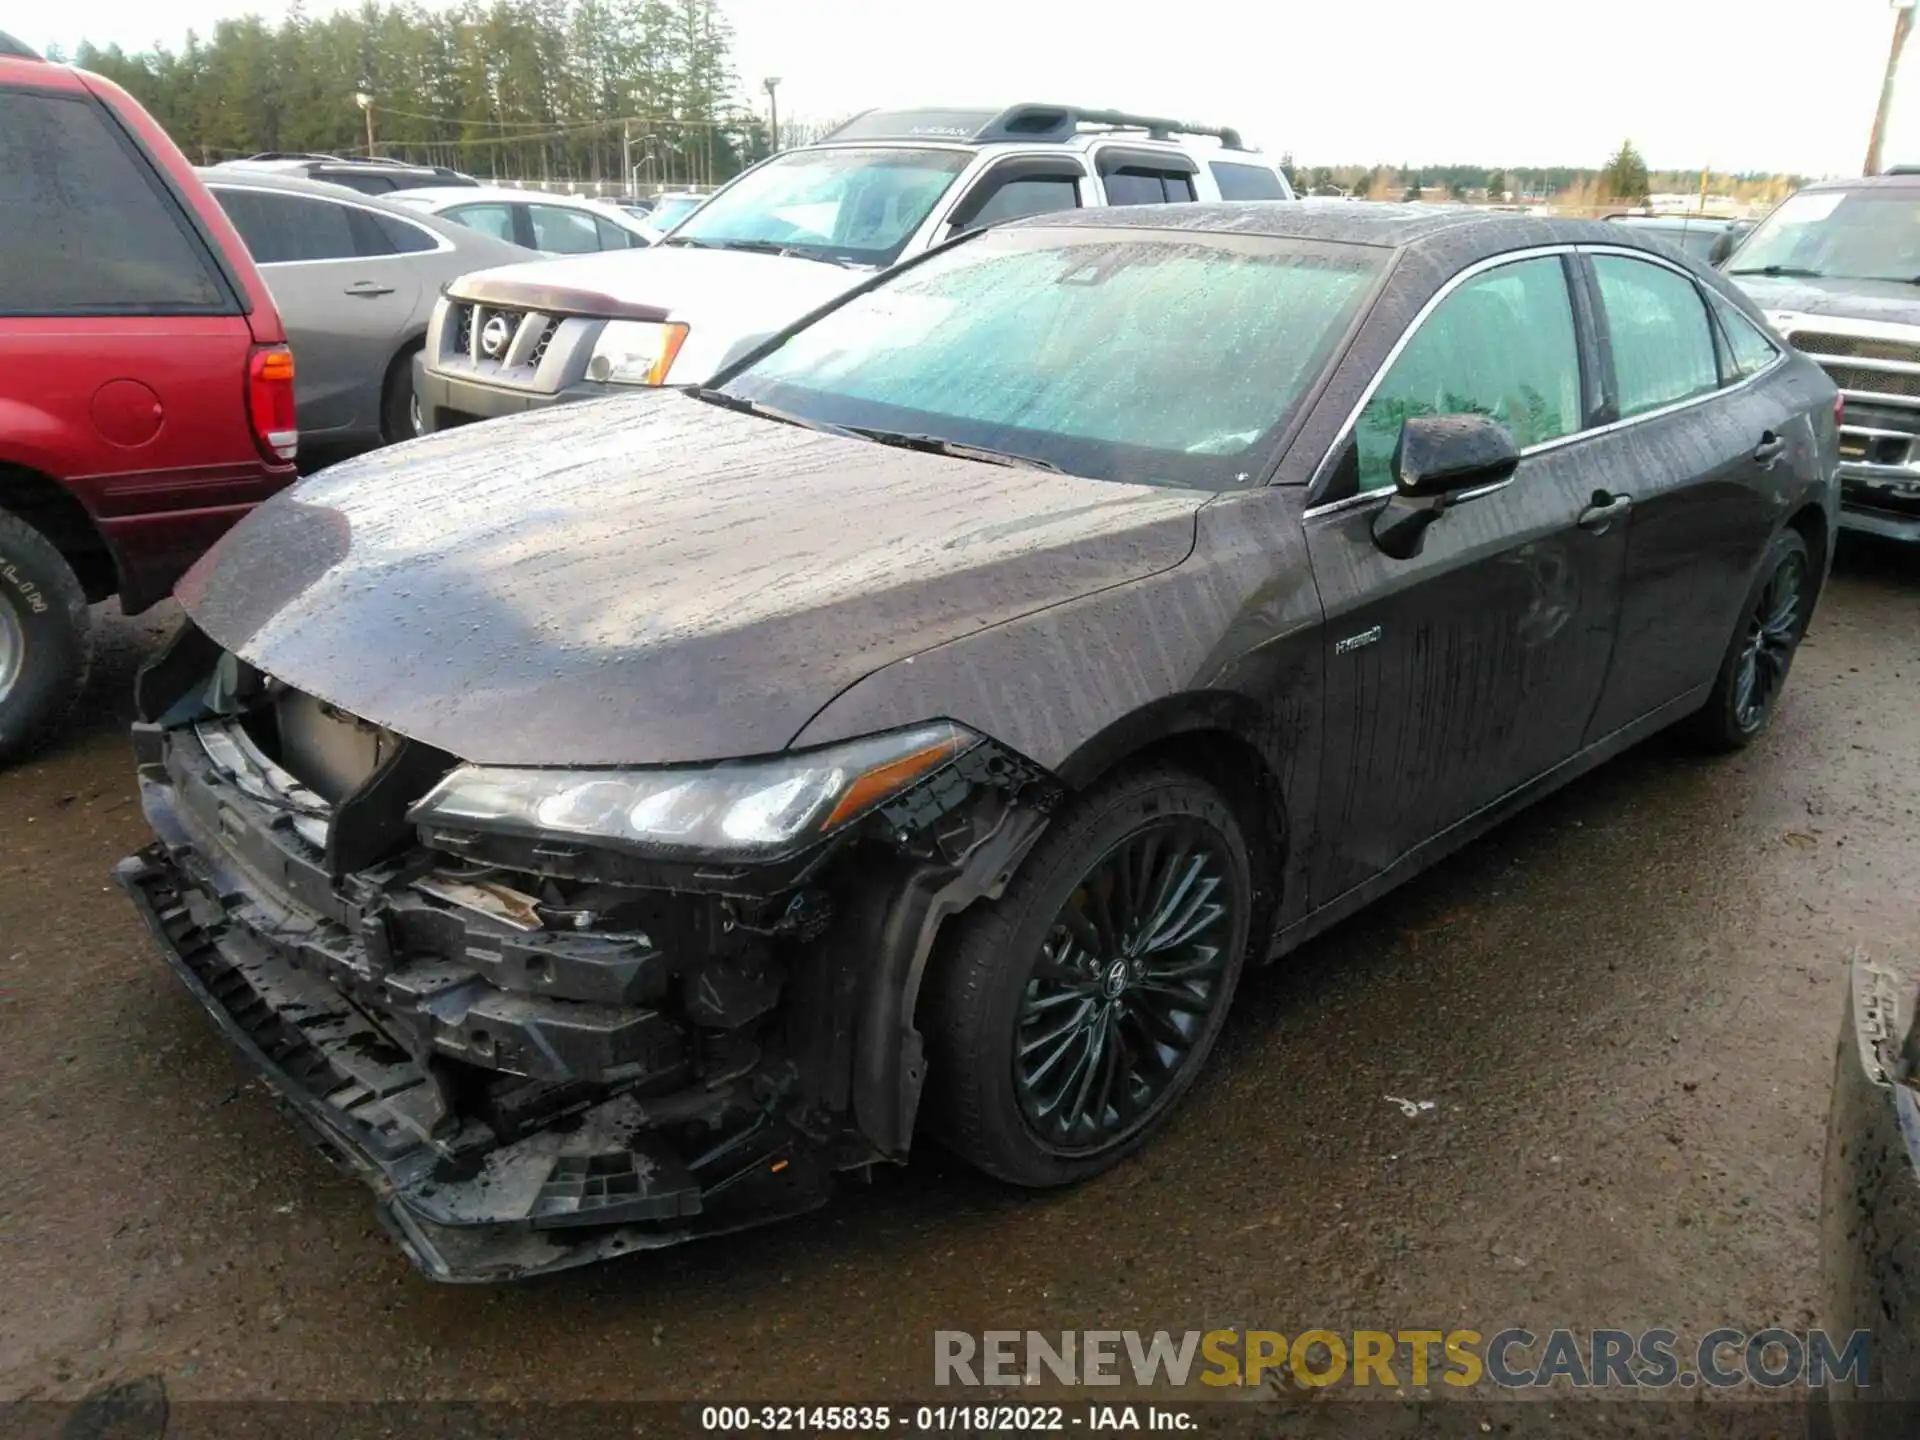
(1902, 24)
(626, 157)
(772, 82)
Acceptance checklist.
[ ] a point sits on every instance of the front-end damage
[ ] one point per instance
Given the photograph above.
(541, 1051)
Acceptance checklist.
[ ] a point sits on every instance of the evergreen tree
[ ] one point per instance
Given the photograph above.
(1625, 177)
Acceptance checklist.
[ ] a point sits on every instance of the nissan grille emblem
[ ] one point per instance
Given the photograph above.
(494, 336)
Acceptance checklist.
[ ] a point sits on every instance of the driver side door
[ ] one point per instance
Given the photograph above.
(1457, 675)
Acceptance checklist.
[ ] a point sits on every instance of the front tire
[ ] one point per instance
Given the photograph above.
(45, 638)
(1754, 670)
(1065, 1020)
(400, 417)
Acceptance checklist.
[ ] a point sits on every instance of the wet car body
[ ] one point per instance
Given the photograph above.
(543, 1051)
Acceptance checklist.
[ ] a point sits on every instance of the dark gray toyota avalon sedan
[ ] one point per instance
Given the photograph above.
(606, 824)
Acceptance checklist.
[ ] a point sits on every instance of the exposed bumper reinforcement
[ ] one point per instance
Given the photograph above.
(464, 1206)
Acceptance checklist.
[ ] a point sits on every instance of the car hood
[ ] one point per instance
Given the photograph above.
(1887, 301)
(651, 579)
(666, 282)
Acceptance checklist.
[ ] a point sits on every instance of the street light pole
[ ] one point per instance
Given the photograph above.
(365, 101)
(1902, 24)
(772, 82)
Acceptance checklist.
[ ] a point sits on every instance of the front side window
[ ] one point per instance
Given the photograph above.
(1503, 345)
(1128, 355)
(561, 231)
(1011, 196)
(280, 228)
(1751, 350)
(84, 229)
(1662, 341)
(1868, 234)
(851, 204)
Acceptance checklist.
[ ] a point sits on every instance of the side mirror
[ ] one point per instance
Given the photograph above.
(1440, 460)
(1723, 244)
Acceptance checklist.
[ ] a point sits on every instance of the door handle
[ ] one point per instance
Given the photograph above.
(368, 289)
(1770, 449)
(1604, 510)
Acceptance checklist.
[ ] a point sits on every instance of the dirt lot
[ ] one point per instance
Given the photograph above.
(1623, 1005)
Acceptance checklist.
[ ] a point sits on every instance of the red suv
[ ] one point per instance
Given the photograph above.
(146, 390)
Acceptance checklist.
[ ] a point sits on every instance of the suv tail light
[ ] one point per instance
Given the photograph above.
(270, 402)
(1839, 409)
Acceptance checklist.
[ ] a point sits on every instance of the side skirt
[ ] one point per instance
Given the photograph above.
(1464, 832)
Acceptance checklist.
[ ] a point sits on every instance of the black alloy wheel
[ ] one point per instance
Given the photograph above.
(1753, 672)
(1773, 630)
(1123, 988)
(1065, 1019)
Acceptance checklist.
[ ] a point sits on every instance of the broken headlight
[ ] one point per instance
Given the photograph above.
(735, 807)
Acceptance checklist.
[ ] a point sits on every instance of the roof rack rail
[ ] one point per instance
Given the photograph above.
(288, 155)
(1031, 121)
(19, 49)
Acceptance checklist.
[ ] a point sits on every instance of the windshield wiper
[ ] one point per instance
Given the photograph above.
(1779, 272)
(934, 445)
(765, 412)
(760, 247)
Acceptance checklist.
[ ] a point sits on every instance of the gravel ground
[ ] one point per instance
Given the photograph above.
(1623, 1006)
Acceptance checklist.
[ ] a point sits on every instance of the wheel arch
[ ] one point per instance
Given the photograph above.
(53, 510)
(1227, 740)
(1811, 521)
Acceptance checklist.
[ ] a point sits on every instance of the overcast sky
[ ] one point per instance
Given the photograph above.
(1785, 85)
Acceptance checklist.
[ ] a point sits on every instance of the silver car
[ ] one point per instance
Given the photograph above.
(355, 280)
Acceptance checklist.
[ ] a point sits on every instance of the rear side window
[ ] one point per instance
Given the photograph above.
(565, 232)
(85, 227)
(1662, 341)
(1502, 345)
(1247, 182)
(281, 229)
(494, 220)
(612, 237)
(402, 238)
(1751, 351)
(1138, 185)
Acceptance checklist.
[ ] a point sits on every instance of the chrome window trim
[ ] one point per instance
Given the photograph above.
(441, 243)
(1480, 267)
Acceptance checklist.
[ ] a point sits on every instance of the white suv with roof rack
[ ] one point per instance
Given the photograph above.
(795, 232)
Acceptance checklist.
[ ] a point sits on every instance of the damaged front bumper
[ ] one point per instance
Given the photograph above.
(533, 1079)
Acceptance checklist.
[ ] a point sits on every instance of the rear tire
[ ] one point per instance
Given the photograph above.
(1066, 1019)
(399, 406)
(45, 638)
(1759, 656)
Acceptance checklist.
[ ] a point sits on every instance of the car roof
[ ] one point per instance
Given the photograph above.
(1355, 222)
(1029, 122)
(293, 183)
(1673, 222)
(1868, 182)
(467, 194)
